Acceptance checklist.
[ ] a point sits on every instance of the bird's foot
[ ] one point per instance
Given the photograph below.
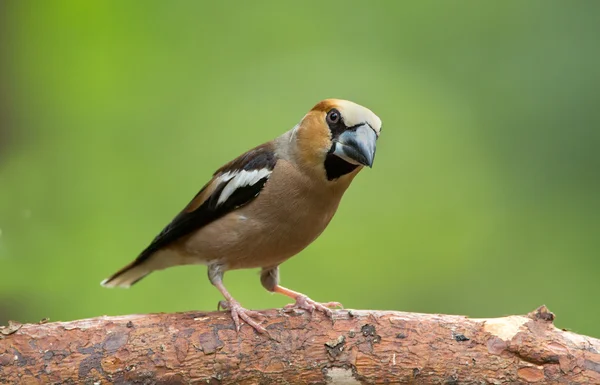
(303, 302)
(237, 312)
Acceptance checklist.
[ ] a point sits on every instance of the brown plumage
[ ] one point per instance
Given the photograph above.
(267, 205)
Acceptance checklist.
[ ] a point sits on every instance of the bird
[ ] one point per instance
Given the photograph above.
(266, 206)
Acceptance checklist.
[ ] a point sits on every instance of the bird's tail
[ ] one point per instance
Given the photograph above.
(128, 275)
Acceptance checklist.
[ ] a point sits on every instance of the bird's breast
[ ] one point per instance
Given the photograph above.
(278, 224)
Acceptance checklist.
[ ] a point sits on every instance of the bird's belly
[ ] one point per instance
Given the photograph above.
(250, 239)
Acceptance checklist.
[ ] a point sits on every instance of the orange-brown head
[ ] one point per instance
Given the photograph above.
(337, 136)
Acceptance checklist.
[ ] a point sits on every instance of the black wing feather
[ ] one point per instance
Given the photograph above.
(261, 157)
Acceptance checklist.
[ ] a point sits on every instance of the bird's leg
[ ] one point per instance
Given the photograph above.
(215, 274)
(269, 278)
(303, 302)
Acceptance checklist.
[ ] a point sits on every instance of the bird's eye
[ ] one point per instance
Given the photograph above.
(333, 116)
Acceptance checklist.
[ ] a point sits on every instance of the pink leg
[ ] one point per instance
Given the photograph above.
(215, 274)
(237, 311)
(303, 302)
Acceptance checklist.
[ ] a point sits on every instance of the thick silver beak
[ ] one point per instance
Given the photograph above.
(357, 146)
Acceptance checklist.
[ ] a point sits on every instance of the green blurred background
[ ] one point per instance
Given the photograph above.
(483, 200)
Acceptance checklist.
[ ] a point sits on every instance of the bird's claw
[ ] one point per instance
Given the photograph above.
(303, 302)
(237, 312)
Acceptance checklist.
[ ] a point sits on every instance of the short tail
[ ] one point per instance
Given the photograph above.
(128, 275)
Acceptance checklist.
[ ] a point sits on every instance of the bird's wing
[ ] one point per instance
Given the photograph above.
(234, 185)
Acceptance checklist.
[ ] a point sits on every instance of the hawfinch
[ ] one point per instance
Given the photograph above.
(267, 205)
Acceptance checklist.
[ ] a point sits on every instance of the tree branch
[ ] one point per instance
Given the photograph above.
(360, 347)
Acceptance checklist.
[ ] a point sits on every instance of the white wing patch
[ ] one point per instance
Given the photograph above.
(239, 179)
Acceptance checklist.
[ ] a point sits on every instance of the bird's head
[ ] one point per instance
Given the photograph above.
(338, 136)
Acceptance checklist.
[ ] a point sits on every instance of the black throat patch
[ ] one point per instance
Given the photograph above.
(335, 166)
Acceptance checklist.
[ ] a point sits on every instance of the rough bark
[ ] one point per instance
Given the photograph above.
(359, 347)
